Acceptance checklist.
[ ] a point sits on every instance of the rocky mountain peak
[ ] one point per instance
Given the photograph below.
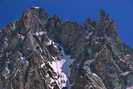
(39, 51)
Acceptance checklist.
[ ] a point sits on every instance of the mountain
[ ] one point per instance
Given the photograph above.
(39, 51)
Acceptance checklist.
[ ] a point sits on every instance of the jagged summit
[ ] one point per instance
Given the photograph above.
(39, 51)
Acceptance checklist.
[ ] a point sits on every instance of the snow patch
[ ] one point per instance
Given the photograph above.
(42, 65)
(21, 36)
(36, 7)
(23, 61)
(49, 42)
(61, 65)
(130, 87)
(39, 33)
(6, 72)
(88, 36)
(125, 73)
(57, 67)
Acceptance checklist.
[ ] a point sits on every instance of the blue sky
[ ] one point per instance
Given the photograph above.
(76, 10)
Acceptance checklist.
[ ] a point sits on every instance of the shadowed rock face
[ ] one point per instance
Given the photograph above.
(101, 60)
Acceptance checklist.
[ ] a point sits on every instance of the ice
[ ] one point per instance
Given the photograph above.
(68, 62)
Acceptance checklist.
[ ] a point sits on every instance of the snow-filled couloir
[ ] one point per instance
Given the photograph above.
(60, 64)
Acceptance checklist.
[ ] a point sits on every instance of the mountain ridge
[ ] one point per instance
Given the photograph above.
(31, 47)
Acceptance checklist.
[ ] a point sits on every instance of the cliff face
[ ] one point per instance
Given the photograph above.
(41, 52)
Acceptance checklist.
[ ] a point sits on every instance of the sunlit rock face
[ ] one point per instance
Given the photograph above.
(39, 51)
